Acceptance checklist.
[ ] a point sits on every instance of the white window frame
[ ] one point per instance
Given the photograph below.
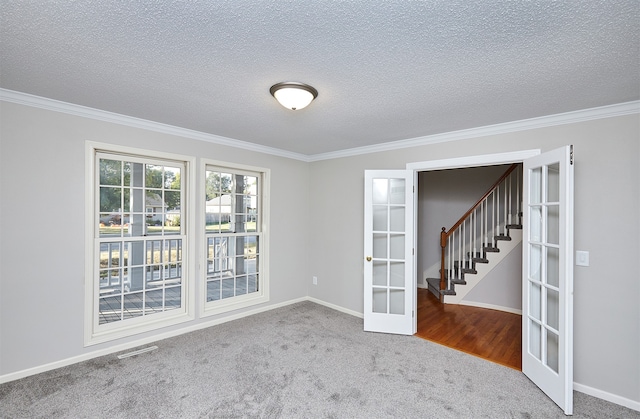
(95, 333)
(262, 295)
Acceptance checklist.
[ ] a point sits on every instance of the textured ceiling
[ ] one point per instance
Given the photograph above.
(385, 71)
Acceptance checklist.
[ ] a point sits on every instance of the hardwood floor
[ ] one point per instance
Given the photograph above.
(490, 334)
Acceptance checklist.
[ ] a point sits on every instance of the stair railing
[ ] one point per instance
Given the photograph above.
(478, 228)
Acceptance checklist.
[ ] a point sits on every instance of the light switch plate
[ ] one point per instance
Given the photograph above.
(582, 258)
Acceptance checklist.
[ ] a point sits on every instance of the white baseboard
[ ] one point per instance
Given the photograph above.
(335, 307)
(613, 398)
(491, 306)
(123, 347)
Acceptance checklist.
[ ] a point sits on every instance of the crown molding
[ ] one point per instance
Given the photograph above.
(100, 115)
(609, 111)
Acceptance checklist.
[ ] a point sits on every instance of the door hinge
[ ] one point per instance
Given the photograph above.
(571, 155)
(413, 314)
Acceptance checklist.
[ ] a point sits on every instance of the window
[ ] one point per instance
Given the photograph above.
(139, 254)
(142, 227)
(234, 241)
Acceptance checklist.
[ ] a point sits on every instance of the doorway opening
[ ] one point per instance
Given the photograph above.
(494, 335)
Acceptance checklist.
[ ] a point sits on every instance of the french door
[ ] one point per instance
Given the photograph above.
(389, 296)
(547, 293)
(547, 271)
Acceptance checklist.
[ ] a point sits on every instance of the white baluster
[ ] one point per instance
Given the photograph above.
(459, 253)
(510, 197)
(475, 235)
(481, 223)
(486, 221)
(453, 254)
(468, 237)
(496, 212)
(464, 242)
(475, 231)
(505, 208)
(450, 271)
(518, 196)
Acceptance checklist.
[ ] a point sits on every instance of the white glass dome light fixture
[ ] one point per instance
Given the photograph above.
(293, 95)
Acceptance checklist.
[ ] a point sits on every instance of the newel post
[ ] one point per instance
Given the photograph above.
(443, 244)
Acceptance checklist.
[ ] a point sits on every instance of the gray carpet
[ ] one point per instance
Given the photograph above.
(300, 361)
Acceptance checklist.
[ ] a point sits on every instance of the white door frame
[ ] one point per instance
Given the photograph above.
(473, 161)
(459, 163)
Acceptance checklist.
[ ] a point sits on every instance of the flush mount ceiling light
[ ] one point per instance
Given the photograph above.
(292, 95)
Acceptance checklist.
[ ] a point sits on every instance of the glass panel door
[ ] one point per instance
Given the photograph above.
(547, 321)
(389, 285)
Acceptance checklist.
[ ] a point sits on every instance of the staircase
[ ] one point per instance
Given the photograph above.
(462, 283)
(480, 239)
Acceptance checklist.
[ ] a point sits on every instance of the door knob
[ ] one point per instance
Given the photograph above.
(368, 258)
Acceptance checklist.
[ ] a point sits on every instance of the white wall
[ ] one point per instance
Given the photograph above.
(607, 178)
(502, 287)
(42, 163)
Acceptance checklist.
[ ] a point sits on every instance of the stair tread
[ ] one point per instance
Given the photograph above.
(434, 281)
(480, 260)
(458, 281)
(515, 226)
(447, 292)
(502, 237)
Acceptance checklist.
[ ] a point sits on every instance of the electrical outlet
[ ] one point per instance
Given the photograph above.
(315, 280)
